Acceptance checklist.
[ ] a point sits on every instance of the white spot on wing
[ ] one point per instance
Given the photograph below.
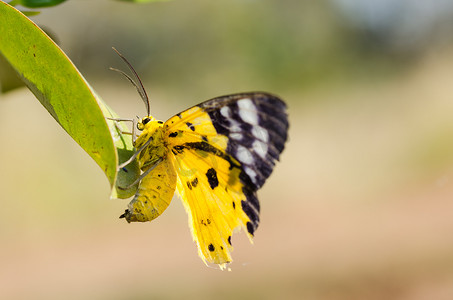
(251, 174)
(236, 136)
(225, 111)
(248, 111)
(244, 155)
(260, 133)
(235, 126)
(260, 148)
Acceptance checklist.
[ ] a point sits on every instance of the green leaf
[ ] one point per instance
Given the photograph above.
(30, 13)
(63, 91)
(37, 3)
(123, 144)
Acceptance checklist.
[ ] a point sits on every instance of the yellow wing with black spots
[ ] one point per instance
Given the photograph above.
(223, 151)
(212, 202)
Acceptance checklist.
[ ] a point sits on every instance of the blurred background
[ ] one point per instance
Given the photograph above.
(360, 206)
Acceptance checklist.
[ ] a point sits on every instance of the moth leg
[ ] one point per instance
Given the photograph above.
(136, 153)
(134, 125)
(120, 120)
(142, 175)
(134, 137)
(121, 130)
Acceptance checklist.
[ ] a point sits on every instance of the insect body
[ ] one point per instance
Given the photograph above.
(156, 188)
(216, 155)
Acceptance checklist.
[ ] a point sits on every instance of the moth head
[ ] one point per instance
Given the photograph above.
(141, 124)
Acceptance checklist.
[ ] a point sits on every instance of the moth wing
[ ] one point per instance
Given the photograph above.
(224, 149)
(251, 127)
(213, 199)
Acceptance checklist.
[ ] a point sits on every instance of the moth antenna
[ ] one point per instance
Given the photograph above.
(140, 88)
(129, 78)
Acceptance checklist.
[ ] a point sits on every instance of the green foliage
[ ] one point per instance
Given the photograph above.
(66, 95)
(36, 3)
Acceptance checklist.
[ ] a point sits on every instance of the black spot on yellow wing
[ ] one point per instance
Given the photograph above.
(211, 174)
(234, 205)
(190, 125)
(173, 134)
(189, 185)
(160, 122)
(211, 247)
(177, 150)
(195, 182)
(229, 240)
(206, 223)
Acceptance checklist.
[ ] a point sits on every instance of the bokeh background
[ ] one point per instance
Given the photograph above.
(360, 206)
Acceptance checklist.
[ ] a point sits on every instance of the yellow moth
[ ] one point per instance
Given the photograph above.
(215, 155)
